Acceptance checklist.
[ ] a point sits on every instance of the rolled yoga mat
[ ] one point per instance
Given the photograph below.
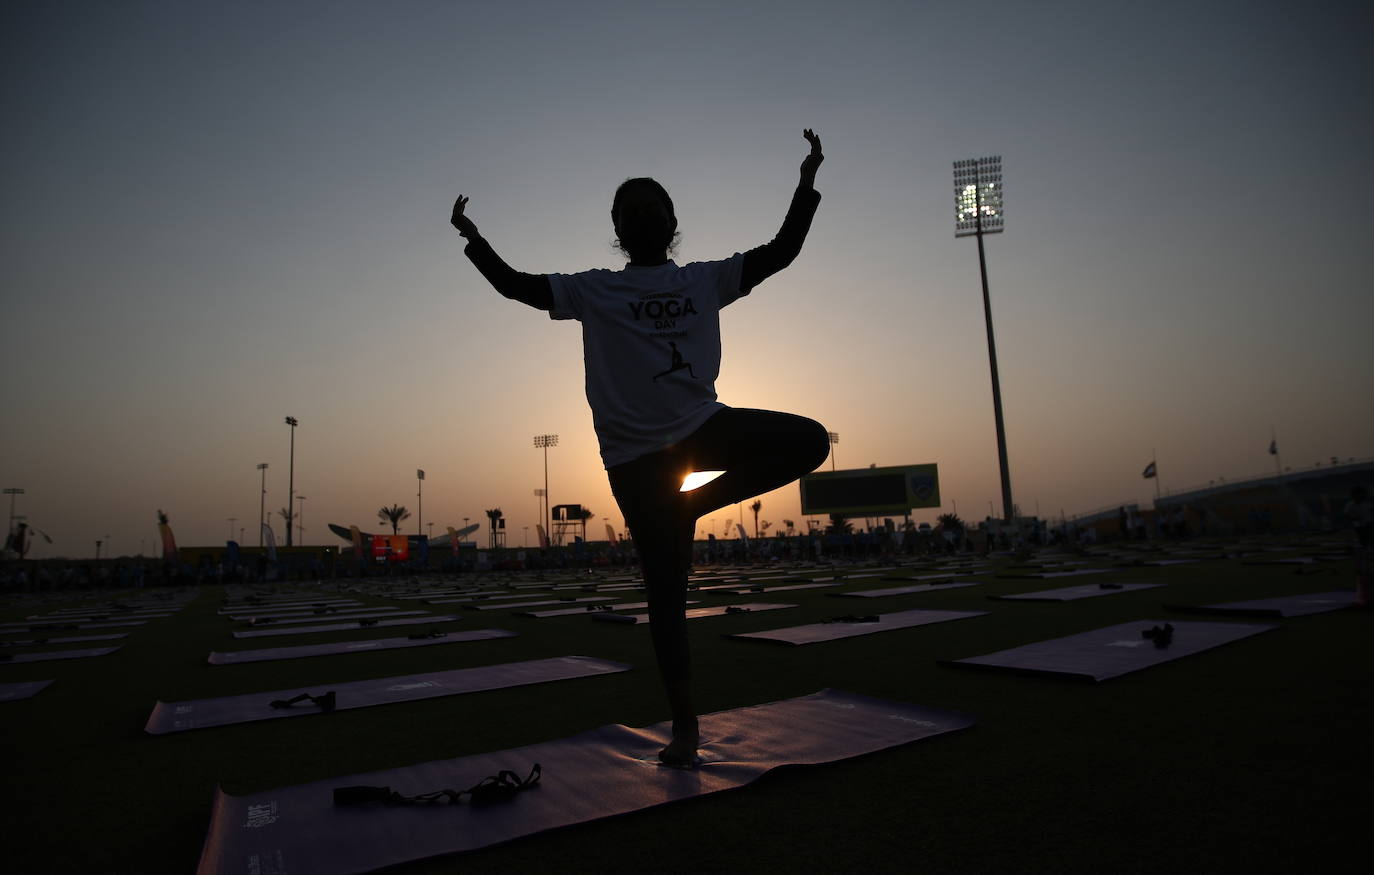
(1074, 593)
(237, 657)
(202, 713)
(1112, 651)
(852, 627)
(1282, 606)
(598, 774)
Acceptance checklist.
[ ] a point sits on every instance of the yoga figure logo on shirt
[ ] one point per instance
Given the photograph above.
(677, 365)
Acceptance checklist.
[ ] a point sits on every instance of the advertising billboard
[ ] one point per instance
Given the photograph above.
(861, 491)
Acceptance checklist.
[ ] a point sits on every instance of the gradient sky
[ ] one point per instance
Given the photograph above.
(216, 215)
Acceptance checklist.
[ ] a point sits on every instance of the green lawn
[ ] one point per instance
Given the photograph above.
(1251, 757)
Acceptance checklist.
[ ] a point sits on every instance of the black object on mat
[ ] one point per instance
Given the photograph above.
(424, 639)
(1282, 606)
(601, 773)
(1102, 654)
(201, 713)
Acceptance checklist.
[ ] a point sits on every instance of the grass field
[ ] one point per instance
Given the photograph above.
(1251, 757)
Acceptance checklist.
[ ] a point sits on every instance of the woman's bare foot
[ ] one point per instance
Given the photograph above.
(681, 752)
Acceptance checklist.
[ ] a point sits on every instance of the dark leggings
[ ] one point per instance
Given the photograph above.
(758, 450)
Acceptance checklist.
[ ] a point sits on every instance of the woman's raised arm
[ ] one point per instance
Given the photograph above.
(773, 256)
(527, 288)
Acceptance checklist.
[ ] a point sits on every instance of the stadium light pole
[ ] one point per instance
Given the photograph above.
(262, 500)
(834, 439)
(291, 479)
(978, 211)
(420, 497)
(11, 492)
(545, 441)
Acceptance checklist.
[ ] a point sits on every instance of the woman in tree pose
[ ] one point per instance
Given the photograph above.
(651, 346)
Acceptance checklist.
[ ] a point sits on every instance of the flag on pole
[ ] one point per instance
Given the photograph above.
(169, 543)
(610, 533)
(1149, 471)
(543, 536)
(1274, 448)
(419, 474)
(271, 541)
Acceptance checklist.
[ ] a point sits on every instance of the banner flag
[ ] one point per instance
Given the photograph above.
(543, 537)
(742, 535)
(453, 540)
(610, 533)
(1149, 471)
(1273, 448)
(169, 543)
(271, 541)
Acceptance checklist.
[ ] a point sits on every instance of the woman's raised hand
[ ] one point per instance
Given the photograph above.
(464, 225)
(813, 160)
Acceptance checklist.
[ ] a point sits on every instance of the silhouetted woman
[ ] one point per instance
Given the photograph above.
(651, 346)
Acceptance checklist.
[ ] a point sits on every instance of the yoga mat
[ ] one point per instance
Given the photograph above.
(573, 611)
(296, 621)
(784, 588)
(284, 608)
(535, 604)
(202, 713)
(1073, 593)
(51, 655)
(21, 690)
(70, 639)
(598, 774)
(1101, 654)
(272, 653)
(901, 590)
(815, 633)
(692, 613)
(336, 627)
(1282, 606)
(1051, 574)
(11, 628)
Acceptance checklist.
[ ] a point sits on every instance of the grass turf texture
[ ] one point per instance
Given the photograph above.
(1252, 756)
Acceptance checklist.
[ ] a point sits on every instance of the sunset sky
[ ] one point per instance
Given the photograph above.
(216, 215)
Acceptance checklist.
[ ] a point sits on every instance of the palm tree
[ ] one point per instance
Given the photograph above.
(756, 507)
(493, 515)
(839, 525)
(790, 525)
(393, 515)
(584, 515)
(765, 525)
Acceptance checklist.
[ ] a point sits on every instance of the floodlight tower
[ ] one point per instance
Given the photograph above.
(291, 476)
(978, 211)
(834, 439)
(545, 441)
(262, 501)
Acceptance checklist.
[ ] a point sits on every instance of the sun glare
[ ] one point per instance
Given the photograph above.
(698, 478)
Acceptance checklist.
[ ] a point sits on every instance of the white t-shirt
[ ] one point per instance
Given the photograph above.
(651, 347)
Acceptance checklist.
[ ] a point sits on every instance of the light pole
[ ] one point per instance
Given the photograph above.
(545, 441)
(420, 495)
(262, 500)
(291, 478)
(978, 211)
(300, 519)
(11, 492)
(834, 439)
